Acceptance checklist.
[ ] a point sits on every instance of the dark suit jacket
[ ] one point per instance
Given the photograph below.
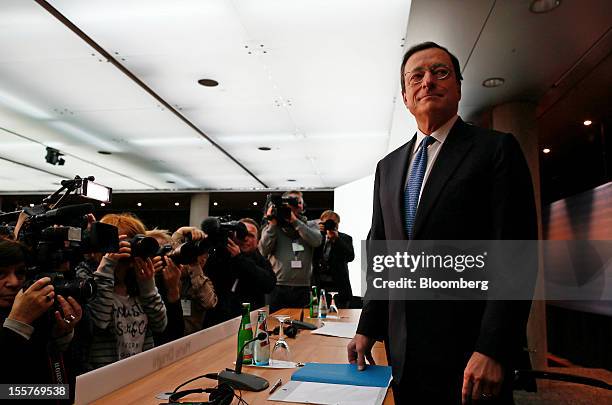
(478, 189)
(340, 254)
(239, 279)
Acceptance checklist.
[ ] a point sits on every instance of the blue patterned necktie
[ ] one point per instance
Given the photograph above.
(413, 188)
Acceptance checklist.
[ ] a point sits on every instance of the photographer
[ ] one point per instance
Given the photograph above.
(127, 309)
(288, 242)
(241, 275)
(168, 280)
(198, 295)
(331, 258)
(30, 338)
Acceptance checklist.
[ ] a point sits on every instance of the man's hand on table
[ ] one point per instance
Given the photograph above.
(359, 349)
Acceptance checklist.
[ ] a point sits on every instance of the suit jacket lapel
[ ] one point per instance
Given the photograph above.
(455, 148)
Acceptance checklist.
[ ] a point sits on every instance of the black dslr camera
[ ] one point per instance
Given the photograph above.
(329, 225)
(281, 207)
(218, 232)
(58, 238)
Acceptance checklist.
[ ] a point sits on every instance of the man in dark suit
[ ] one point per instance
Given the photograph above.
(331, 260)
(451, 181)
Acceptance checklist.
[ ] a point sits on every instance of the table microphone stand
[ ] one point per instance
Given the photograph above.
(237, 379)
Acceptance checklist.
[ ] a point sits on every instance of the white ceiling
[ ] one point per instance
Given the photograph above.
(318, 86)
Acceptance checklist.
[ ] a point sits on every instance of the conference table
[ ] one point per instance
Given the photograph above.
(305, 347)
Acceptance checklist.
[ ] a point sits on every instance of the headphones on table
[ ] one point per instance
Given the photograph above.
(223, 394)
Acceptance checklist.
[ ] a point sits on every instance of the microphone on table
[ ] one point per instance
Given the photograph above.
(301, 324)
(237, 379)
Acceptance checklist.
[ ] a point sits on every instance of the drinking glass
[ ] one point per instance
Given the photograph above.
(280, 352)
(333, 309)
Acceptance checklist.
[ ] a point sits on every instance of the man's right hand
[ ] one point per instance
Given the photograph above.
(359, 349)
(30, 304)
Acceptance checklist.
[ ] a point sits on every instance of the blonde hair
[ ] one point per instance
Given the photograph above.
(330, 213)
(161, 234)
(128, 223)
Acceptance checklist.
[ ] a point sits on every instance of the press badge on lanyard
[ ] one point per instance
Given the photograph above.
(296, 263)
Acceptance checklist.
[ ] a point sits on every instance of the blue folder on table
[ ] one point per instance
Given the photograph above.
(347, 374)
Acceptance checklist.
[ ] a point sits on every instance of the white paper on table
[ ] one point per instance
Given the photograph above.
(275, 364)
(338, 329)
(328, 394)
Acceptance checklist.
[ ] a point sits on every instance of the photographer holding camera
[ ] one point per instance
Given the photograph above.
(331, 258)
(198, 295)
(127, 309)
(31, 340)
(288, 241)
(240, 274)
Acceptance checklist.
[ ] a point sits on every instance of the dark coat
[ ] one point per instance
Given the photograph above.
(244, 278)
(478, 189)
(340, 254)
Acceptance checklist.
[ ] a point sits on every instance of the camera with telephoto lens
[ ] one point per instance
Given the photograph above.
(81, 290)
(218, 232)
(59, 237)
(144, 246)
(281, 207)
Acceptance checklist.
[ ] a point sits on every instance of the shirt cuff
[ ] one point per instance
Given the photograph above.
(19, 327)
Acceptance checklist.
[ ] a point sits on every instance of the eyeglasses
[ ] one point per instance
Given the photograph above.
(416, 76)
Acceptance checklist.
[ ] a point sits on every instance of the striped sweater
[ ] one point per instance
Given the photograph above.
(122, 326)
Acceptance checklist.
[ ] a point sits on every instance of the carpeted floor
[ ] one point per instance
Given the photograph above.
(562, 393)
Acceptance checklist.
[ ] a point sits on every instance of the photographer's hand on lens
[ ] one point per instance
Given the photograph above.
(90, 220)
(159, 263)
(125, 251)
(66, 319)
(144, 268)
(272, 221)
(171, 274)
(195, 233)
(233, 248)
(293, 218)
(30, 304)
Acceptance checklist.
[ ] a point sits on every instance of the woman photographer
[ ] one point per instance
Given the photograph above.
(36, 324)
(127, 309)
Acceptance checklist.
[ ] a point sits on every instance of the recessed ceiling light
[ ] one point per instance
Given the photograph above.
(254, 202)
(139, 204)
(543, 6)
(31, 205)
(587, 122)
(493, 82)
(208, 82)
(546, 150)
(104, 152)
(215, 203)
(266, 148)
(177, 204)
(102, 205)
(291, 180)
